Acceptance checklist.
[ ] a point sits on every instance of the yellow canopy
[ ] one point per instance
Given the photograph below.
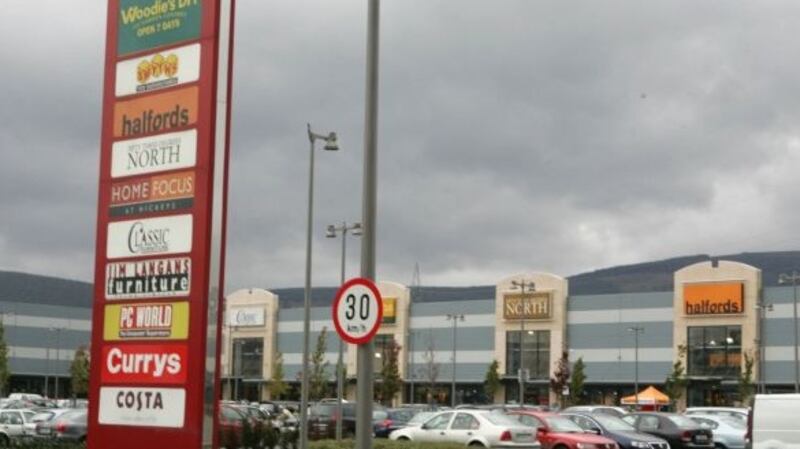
(648, 396)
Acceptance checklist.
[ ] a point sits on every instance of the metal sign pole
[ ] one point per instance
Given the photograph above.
(365, 351)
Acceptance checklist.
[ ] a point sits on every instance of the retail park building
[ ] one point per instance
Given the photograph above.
(712, 314)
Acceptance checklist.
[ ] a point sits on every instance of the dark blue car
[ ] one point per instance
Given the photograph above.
(626, 436)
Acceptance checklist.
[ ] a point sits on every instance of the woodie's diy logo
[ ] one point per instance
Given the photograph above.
(154, 154)
(158, 70)
(149, 407)
(155, 278)
(155, 194)
(145, 24)
(164, 320)
(144, 364)
(152, 236)
(157, 113)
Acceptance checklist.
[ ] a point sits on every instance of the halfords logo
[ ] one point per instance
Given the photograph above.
(158, 70)
(162, 235)
(155, 194)
(154, 154)
(149, 278)
(146, 407)
(164, 364)
(725, 298)
(156, 113)
(146, 321)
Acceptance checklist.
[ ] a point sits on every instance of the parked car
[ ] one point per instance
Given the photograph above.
(396, 418)
(559, 432)
(322, 419)
(605, 409)
(626, 436)
(231, 421)
(735, 412)
(40, 422)
(679, 431)
(16, 425)
(729, 432)
(474, 428)
(70, 426)
(773, 421)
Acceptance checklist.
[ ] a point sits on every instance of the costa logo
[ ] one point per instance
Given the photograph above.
(154, 154)
(143, 364)
(146, 407)
(149, 278)
(146, 321)
(156, 194)
(161, 235)
(158, 70)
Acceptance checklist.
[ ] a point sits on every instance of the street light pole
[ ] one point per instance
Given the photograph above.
(332, 231)
(455, 318)
(330, 145)
(793, 278)
(636, 331)
(531, 286)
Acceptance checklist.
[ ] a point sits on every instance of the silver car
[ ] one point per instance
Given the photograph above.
(729, 432)
(734, 412)
(474, 428)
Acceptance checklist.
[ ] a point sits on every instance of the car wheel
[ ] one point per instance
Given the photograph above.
(719, 446)
(403, 439)
(561, 446)
(476, 444)
(4, 442)
(82, 441)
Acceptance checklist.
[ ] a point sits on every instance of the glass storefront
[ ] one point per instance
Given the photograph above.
(248, 356)
(383, 348)
(715, 351)
(536, 353)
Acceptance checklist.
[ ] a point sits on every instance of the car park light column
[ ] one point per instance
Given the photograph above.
(522, 285)
(330, 145)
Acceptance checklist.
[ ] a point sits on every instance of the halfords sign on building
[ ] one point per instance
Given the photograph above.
(531, 306)
(714, 298)
(160, 224)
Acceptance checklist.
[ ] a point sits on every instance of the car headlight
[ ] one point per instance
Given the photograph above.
(586, 446)
(640, 444)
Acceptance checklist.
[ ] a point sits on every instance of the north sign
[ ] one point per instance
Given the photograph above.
(357, 311)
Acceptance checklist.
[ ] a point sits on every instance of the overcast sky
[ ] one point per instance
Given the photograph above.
(515, 135)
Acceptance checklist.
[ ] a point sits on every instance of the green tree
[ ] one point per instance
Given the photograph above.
(79, 372)
(492, 382)
(746, 386)
(676, 382)
(277, 386)
(391, 383)
(318, 382)
(5, 371)
(560, 379)
(576, 383)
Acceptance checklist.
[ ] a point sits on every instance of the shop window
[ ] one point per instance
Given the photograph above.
(536, 357)
(383, 351)
(715, 351)
(248, 357)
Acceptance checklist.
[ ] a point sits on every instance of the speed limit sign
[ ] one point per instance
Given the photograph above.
(357, 311)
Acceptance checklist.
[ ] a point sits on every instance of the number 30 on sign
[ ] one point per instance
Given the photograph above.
(357, 311)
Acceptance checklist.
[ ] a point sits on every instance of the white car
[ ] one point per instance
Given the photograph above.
(773, 424)
(729, 432)
(474, 428)
(734, 412)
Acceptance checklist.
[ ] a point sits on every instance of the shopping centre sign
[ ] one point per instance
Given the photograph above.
(528, 306)
(160, 224)
(718, 298)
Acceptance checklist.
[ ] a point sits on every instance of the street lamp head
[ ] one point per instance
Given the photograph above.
(330, 232)
(357, 230)
(331, 142)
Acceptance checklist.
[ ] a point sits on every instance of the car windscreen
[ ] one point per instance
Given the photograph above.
(683, 422)
(500, 419)
(420, 417)
(562, 424)
(613, 423)
(379, 415)
(401, 415)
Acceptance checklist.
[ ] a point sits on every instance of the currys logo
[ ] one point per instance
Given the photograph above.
(144, 364)
(162, 235)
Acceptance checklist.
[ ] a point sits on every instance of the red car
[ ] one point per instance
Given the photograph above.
(559, 432)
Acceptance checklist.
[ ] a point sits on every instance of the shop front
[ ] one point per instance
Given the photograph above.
(530, 312)
(715, 331)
